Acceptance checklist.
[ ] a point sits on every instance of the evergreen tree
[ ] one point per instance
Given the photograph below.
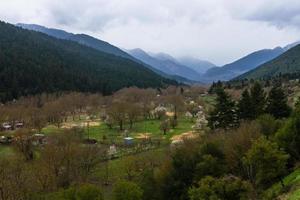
(258, 99)
(277, 103)
(245, 109)
(224, 115)
(288, 137)
(214, 87)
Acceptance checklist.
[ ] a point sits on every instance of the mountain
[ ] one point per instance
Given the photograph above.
(96, 44)
(287, 63)
(32, 63)
(245, 64)
(200, 66)
(242, 65)
(80, 38)
(166, 64)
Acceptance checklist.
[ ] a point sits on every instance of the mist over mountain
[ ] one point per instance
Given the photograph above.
(166, 64)
(201, 66)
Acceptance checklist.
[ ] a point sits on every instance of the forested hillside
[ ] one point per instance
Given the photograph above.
(243, 64)
(31, 63)
(287, 63)
(80, 38)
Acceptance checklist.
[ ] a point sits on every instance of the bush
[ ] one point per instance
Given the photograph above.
(226, 188)
(126, 190)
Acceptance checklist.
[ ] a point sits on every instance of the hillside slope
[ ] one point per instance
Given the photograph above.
(96, 44)
(80, 38)
(242, 65)
(287, 63)
(32, 62)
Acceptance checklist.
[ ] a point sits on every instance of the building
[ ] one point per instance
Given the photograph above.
(128, 141)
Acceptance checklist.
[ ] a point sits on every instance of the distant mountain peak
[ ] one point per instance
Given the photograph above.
(168, 64)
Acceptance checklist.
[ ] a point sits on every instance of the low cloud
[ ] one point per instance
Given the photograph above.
(217, 30)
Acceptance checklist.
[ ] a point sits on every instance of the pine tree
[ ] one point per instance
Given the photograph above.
(277, 103)
(258, 99)
(224, 115)
(245, 109)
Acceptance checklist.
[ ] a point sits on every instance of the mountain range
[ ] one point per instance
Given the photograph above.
(183, 75)
(80, 38)
(32, 63)
(200, 66)
(244, 64)
(186, 69)
(286, 64)
(166, 64)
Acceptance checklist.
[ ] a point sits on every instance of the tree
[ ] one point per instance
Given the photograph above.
(82, 192)
(224, 115)
(126, 190)
(226, 188)
(201, 122)
(258, 100)
(89, 192)
(160, 112)
(288, 136)
(173, 123)
(117, 112)
(178, 175)
(23, 143)
(193, 108)
(265, 163)
(237, 143)
(268, 125)
(37, 119)
(15, 179)
(245, 109)
(176, 100)
(209, 166)
(277, 103)
(133, 111)
(164, 126)
(64, 160)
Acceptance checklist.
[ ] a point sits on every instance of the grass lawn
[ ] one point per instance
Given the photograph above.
(140, 127)
(146, 126)
(291, 191)
(6, 150)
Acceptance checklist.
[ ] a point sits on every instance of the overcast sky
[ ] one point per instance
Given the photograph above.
(216, 30)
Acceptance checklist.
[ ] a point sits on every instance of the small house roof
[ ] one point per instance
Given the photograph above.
(128, 138)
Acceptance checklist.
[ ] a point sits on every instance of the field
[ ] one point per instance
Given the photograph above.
(141, 129)
(119, 168)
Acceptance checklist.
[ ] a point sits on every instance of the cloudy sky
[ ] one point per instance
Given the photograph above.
(215, 30)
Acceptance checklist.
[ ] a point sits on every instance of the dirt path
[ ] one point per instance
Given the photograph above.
(183, 136)
(70, 125)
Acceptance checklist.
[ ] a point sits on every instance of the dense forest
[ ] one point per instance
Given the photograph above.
(32, 63)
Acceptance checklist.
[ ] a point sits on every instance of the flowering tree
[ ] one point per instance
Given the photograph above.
(160, 112)
(201, 122)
